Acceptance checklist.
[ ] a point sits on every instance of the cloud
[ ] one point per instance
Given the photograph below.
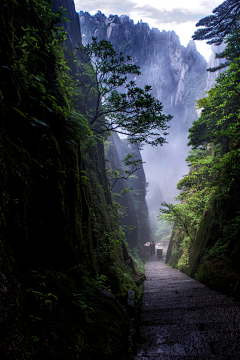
(203, 8)
(144, 9)
(209, 6)
(177, 15)
(106, 6)
(170, 12)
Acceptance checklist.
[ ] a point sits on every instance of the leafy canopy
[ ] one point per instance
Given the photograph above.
(118, 104)
(194, 196)
(131, 162)
(219, 119)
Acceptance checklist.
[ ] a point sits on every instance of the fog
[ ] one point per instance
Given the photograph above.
(177, 75)
(164, 166)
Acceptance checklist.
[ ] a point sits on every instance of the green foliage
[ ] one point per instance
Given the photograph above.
(182, 216)
(139, 264)
(198, 191)
(218, 122)
(218, 128)
(44, 213)
(41, 68)
(223, 247)
(43, 299)
(232, 50)
(85, 299)
(221, 27)
(128, 229)
(108, 241)
(131, 165)
(123, 192)
(163, 233)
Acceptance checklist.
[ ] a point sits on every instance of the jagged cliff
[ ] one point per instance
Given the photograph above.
(127, 213)
(212, 63)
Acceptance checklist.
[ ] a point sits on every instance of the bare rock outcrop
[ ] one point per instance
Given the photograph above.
(214, 62)
(112, 31)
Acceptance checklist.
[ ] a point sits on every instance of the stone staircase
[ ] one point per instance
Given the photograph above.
(183, 319)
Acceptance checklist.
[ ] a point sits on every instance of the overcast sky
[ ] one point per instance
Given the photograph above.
(180, 16)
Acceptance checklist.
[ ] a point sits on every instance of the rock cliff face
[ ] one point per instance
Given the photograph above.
(135, 218)
(139, 185)
(177, 75)
(213, 62)
(128, 218)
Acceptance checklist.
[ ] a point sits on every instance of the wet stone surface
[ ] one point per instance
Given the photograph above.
(183, 319)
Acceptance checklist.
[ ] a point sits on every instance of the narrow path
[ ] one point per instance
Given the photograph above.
(183, 319)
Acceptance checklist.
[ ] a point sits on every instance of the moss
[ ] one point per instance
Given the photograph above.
(207, 235)
(219, 275)
(175, 250)
(214, 257)
(80, 314)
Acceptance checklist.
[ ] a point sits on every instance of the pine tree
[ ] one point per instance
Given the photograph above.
(216, 27)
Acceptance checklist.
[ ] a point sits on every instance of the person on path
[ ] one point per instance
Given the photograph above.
(152, 248)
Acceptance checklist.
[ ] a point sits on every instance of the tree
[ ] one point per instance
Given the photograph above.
(131, 165)
(194, 195)
(119, 104)
(218, 26)
(197, 190)
(231, 52)
(179, 216)
(223, 26)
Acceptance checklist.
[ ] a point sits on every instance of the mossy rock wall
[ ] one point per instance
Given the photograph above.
(129, 218)
(214, 253)
(177, 252)
(214, 257)
(54, 302)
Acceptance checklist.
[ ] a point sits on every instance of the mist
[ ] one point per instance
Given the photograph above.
(177, 75)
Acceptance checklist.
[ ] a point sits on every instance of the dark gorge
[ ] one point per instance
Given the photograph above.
(76, 207)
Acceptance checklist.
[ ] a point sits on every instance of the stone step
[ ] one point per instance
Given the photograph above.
(183, 319)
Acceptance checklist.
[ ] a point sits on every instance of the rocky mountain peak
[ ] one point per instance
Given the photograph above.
(164, 62)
